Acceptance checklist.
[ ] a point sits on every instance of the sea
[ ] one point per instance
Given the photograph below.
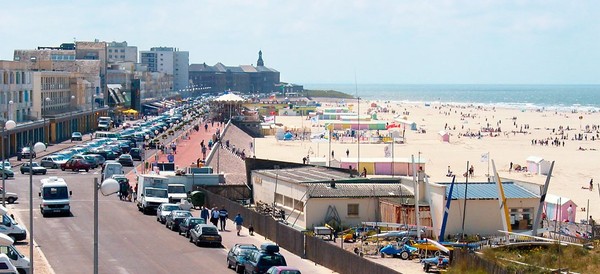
(573, 98)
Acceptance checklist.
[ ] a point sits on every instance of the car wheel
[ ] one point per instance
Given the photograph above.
(191, 239)
(187, 234)
(87, 170)
(10, 200)
(44, 173)
(22, 172)
(179, 232)
(62, 168)
(238, 269)
(172, 228)
(5, 176)
(404, 255)
(55, 166)
(197, 243)
(75, 170)
(166, 225)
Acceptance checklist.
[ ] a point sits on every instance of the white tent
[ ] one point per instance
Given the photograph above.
(229, 97)
(537, 165)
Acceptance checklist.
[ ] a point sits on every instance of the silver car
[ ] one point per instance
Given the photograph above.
(163, 210)
(53, 161)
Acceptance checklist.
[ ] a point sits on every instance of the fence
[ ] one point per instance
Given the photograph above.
(305, 246)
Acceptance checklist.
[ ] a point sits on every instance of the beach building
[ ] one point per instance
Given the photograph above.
(313, 196)
(537, 165)
(384, 165)
(482, 214)
(557, 207)
(444, 136)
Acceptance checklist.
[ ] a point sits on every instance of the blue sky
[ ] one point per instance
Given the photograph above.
(403, 42)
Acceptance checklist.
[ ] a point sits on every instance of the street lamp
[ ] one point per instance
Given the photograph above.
(46, 101)
(72, 99)
(38, 147)
(10, 124)
(108, 187)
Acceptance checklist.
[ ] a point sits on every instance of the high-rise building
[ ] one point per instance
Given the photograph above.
(170, 61)
(121, 52)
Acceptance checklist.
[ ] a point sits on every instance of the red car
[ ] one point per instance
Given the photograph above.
(76, 165)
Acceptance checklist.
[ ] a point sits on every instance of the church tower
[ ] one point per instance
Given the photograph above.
(260, 62)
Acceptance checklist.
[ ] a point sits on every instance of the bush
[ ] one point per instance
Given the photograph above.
(197, 198)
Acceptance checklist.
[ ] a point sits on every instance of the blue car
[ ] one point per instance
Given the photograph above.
(435, 263)
(401, 250)
(237, 256)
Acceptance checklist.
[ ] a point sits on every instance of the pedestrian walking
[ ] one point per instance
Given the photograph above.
(223, 217)
(214, 216)
(347, 153)
(239, 221)
(204, 214)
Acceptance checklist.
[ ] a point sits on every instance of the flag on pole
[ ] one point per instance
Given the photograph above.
(485, 157)
(270, 119)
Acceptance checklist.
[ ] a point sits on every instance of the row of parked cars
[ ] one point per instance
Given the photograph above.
(243, 258)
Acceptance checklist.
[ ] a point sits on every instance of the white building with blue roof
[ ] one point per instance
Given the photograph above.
(482, 214)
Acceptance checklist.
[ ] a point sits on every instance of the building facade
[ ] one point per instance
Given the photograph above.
(15, 91)
(170, 61)
(121, 52)
(243, 78)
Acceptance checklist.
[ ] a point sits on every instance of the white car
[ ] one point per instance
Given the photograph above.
(6, 165)
(10, 196)
(163, 210)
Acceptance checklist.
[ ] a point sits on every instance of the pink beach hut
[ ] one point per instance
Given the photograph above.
(444, 136)
(556, 207)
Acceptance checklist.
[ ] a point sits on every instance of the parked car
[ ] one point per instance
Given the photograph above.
(237, 256)
(99, 159)
(53, 161)
(76, 165)
(76, 136)
(89, 159)
(6, 165)
(26, 153)
(205, 234)
(175, 217)
(125, 160)
(120, 178)
(136, 154)
(188, 224)
(163, 210)
(35, 168)
(10, 196)
(259, 261)
(6, 173)
(283, 270)
(107, 154)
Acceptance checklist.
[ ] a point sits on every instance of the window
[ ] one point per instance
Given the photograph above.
(352, 209)
(109, 50)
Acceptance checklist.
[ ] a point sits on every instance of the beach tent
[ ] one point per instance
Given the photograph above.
(444, 136)
(288, 136)
(537, 165)
(556, 207)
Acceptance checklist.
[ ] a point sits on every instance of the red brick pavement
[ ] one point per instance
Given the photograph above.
(188, 149)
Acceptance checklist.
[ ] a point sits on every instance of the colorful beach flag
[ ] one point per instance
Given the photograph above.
(485, 157)
(270, 119)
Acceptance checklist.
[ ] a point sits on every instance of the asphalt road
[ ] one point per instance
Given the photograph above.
(129, 242)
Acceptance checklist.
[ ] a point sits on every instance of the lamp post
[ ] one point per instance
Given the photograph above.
(108, 187)
(72, 98)
(10, 124)
(38, 147)
(94, 96)
(46, 101)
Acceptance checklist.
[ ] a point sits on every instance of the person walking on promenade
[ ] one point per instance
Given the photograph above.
(204, 214)
(347, 153)
(214, 216)
(239, 221)
(223, 217)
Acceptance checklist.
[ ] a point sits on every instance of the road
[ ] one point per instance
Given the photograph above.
(129, 242)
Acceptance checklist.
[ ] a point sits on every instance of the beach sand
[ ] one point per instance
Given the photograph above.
(573, 167)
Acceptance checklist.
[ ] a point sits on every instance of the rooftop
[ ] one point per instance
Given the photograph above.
(488, 191)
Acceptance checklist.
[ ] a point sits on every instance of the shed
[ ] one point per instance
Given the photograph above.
(556, 207)
(537, 165)
(444, 136)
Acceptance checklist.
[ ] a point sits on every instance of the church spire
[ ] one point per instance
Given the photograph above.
(260, 62)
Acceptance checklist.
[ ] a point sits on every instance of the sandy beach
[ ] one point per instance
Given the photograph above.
(519, 138)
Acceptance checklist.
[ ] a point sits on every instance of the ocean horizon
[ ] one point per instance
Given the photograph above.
(545, 97)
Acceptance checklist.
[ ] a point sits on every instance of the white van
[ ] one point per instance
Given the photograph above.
(106, 134)
(19, 260)
(55, 196)
(11, 228)
(111, 168)
(6, 267)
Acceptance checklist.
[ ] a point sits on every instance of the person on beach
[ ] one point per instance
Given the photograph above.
(591, 184)
(471, 171)
(239, 221)
(347, 153)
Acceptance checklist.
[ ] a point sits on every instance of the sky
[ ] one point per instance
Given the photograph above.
(345, 41)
